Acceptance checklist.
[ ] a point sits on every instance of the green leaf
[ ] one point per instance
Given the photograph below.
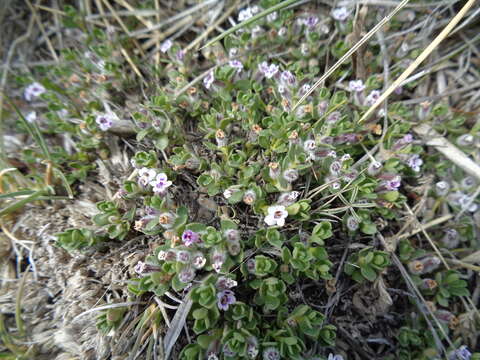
(368, 273)
(368, 228)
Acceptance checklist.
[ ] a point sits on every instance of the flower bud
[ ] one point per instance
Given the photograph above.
(333, 117)
(249, 197)
(468, 182)
(290, 175)
(287, 199)
(335, 168)
(451, 239)
(428, 284)
(198, 260)
(144, 268)
(166, 220)
(352, 223)
(274, 170)
(424, 266)
(186, 275)
(221, 138)
(442, 188)
(465, 140)
(234, 248)
(183, 256)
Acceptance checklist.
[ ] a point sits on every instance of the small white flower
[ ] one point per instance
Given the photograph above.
(34, 90)
(309, 145)
(208, 80)
(105, 121)
(227, 194)
(276, 215)
(161, 183)
(290, 175)
(233, 52)
(372, 97)
(31, 117)
(272, 17)
(257, 31)
(199, 261)
(340, 14)
(345, 157)
(145, 176)
(245, 14)
(356, 86)
(166, 45)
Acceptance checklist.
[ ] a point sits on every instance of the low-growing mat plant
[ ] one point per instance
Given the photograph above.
(273, 211)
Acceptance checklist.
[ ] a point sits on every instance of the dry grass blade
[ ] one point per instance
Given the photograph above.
(425, 53)
(351, 51)
(176, 326)
(264, 13)
(451, 152)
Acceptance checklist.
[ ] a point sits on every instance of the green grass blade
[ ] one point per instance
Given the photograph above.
(247, 22)
(33, 130)
(20, 203)
(61, 175)
(16, 193)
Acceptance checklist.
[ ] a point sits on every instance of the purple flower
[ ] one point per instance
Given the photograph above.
(146, 176)
(225, 283)
(393, 185)
(228, 352)
(271, 353)
(334, 357)
(105, 121)
(340, 14)
(183, 256)
(304, 89)
(208, 80)
(356, 86)
(290, 175)
(400, 143)
(372, 97)
(288, 198)
(190, 237)
(311, 22)
(143, 268)
(333, 117)
(268, 70)
(236, 64)
(198, 261)
(218, 259)
(166, 45)
(161, 183)
(287, 78)
(33, 90)
(180, 55)
(186, 275)
(225, 298)
(415, 162)
(462, 353)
